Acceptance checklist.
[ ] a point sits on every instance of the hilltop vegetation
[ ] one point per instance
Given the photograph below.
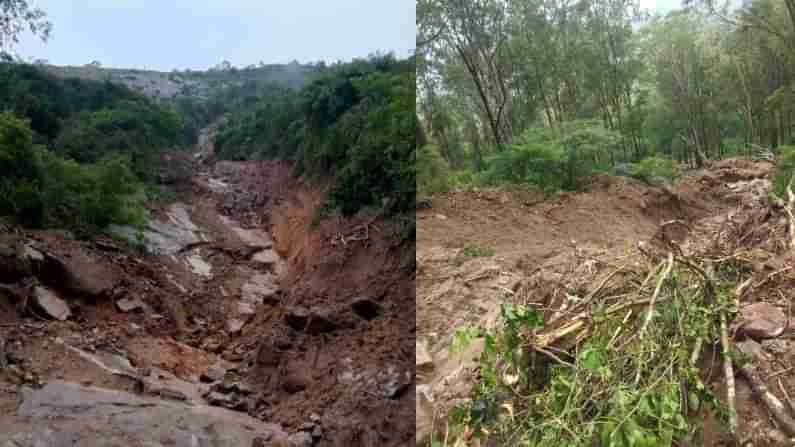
(354, 121)
(76, 153)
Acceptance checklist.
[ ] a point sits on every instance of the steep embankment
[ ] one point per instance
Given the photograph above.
(213, 327)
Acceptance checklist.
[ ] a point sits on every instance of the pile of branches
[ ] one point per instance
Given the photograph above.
(621, 364)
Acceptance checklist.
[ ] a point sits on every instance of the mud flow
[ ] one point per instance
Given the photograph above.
(479, 249)
(230, 319)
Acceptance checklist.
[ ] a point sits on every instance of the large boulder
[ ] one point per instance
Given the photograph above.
(81, 273)
(70, 414)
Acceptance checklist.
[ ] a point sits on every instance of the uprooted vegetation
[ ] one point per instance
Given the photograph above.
(679, 337)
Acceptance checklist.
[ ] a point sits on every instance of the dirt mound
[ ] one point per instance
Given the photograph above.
(479, 249)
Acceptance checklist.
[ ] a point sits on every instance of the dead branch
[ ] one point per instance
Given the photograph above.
(773, 404)
(667, 272)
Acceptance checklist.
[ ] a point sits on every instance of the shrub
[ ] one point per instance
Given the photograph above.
(432, 171)
(653, 169)
(43, 189)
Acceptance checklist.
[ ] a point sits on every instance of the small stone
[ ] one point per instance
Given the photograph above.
(441, 217)
(220, 400)
(762, 320)
(314, 417)
(234, 326)
(423, 359)
(52, 305)
(213, 374)
(129, 304)
(300, 439)
(776, 346)
(294, 383)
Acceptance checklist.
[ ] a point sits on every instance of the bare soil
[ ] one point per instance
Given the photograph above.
(539, 243)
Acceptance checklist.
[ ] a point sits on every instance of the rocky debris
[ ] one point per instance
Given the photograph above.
(300, 439)
(50, 303)
(776, 346)
(81, 273)
(234, 326)
(95, 416)
(129, 304)
(761, 320)
(215, 373)
(229, 395)
(265, 257)
(423, 361)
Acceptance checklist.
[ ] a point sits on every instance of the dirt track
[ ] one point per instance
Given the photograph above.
(536, 244)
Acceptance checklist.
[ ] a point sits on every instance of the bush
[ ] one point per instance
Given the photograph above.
(432, 171)
(43, 189)
(537, 163)
(653, 169)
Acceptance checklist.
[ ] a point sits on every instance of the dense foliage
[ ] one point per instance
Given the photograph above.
(355, 121)
(700, 83)
(76, 153)
(41, 188)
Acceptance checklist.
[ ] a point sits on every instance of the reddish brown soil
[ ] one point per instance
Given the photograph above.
(183, 331)
(325, 273)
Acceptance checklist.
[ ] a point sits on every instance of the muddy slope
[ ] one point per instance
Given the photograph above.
(340, 343)
(240, 309)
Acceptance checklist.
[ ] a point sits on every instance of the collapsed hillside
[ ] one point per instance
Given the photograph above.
(244, 324)
(579, 261)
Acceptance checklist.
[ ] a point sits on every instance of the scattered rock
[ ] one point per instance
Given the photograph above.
(234, 326)
(82, 274)
(265, 257)
(762, 320)
(48, 302)
(366, 308)
(441, 217)
(295, 382)
(300, 439)
(751, 348)
(221, 400)
(129, 304)
(214, 373)
(776, 346)
(423, 360)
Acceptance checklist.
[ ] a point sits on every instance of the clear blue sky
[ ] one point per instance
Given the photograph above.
(196, 34)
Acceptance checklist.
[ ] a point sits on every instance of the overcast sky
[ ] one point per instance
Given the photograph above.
(661, 6)
(196, 34)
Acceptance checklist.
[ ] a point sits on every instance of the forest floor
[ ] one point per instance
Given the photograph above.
(245, 324)
(478, 249)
